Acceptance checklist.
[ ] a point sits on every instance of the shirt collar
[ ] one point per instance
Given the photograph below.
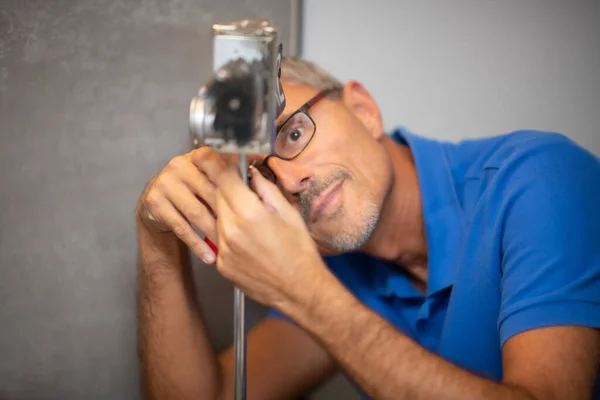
(388, 280)
(444, 220)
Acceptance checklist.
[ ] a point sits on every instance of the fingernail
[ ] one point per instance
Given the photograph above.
(208, 258)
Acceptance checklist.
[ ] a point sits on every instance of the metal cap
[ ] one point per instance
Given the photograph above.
(249, 27)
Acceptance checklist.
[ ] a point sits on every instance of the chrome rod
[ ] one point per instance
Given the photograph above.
(239, 322)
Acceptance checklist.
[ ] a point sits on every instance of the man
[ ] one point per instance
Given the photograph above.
(422, 269)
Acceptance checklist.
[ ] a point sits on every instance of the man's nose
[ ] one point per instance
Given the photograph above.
(292, 176)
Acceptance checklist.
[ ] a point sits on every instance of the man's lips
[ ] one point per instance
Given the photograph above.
(325, 198)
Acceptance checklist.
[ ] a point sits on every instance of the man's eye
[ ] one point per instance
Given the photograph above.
(294, 135)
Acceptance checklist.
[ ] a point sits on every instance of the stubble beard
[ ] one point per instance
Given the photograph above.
(355, 231)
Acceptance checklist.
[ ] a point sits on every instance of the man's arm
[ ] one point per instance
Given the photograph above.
(284, 362)
(178, 361)
(545, 363)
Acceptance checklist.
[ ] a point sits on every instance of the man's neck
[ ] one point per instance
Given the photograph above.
(400, 234)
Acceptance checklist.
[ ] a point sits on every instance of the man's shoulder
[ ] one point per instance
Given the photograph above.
(478, 156)
(474, 158)
(498, 166)
(534, 171)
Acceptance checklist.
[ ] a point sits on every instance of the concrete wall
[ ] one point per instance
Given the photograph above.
(94, 100)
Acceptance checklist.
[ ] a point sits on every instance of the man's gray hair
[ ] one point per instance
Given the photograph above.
(302, 72)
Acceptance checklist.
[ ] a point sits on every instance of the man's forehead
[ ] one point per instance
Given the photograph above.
(295, 97)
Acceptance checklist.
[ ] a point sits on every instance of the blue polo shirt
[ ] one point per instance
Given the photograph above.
(513, 232)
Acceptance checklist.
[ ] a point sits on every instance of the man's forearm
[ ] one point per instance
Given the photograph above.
(177, 359)
(383, 361)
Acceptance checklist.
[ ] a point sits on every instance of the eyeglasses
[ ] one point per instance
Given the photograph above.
(295, 134)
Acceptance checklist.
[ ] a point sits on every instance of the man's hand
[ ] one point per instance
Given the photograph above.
(182, 196)
(264, 245)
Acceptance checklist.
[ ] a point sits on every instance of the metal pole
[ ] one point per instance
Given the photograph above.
(239, 322)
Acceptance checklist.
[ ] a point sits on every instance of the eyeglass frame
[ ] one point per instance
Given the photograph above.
(263, 167)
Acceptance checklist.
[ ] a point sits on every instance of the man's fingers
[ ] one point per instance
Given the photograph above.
(182, 169)
(268, 193)
(226, 223)
(209, 162)
(192, 209)
(199, 184)
(230, 158)
(236, 193)
(184, 231)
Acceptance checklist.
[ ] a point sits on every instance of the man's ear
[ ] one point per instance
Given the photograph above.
(364, 107)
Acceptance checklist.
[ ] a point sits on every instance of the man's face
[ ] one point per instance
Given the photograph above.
(339, 182)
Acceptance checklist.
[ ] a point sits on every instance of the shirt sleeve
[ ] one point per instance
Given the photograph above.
(550, 239)
(275, 313)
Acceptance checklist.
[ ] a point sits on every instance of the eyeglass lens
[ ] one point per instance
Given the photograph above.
(294, 136)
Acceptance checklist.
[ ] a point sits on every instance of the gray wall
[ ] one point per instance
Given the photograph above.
(94, 100)
(467, 68)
